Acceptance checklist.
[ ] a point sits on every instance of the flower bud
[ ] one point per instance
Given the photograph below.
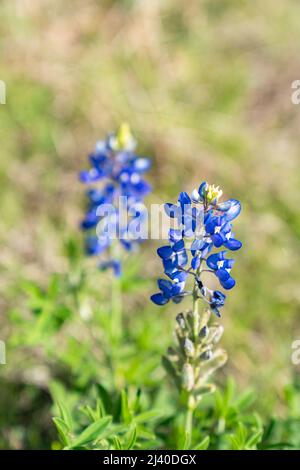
(172, 354)
(216, 335)
(203, 333)
(212, 193)
(195, 196)
(181, 321)
(206, 355)
(188, 347)
(188, 379)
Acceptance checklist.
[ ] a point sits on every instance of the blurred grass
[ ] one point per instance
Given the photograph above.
(206, 86)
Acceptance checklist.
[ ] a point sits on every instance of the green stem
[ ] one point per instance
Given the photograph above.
(189, 419)
(115, 332)
(116, 311)
(195, 311)
(190, 407)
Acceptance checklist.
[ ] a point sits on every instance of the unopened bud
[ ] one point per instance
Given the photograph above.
(181, 321)
(206, 355)
(203, 333)
(172, 354)
(189, 347)
(188, 377)
(205, 316)
(218, 333)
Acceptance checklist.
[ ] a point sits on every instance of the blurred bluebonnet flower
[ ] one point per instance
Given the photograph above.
(115, 179)
(203, 225)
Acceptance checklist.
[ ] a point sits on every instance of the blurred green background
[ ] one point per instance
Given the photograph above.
(206, 87)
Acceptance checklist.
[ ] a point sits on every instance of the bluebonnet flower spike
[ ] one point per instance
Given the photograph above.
(115, 171)
(204, 226)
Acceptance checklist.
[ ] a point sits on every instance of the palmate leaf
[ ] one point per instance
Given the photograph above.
(92, 433)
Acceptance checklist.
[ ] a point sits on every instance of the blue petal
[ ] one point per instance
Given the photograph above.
(228, 263)
(172, 210)
(89, 176)
(179, 276)
(195, 262)
(90, 220)
(211, 223)
(165, 252)
(182, 258)
(228, 284)
(165, 286)
(233, 244)
(201, 189)
(218, 240)
(116, 265)
(216, 311)
(212, 260)
(177, 299)
(113, 264)
(127, 244)
(159, 299)
(142, 164)
(95, 246)
(178, 246)
(177, 288)
(184, 199)
(170, 265)
(225, 279)
(206, 249)
(222, 274)
(197, 244)
(219, 297)
(175, 235)
(142, 188)
(231, 208)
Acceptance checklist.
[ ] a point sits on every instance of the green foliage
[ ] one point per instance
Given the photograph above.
(128, 427)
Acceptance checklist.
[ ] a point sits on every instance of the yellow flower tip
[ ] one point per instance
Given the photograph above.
(213, 193)
(124, 139)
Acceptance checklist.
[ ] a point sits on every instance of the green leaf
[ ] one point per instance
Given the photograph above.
(148, 416)
(65, 413)
(132, 439)
(100, 410)
(62, 430)
(238, 441)
(245, 401)
(186, 442)
(117, 443)
(203, 445)
(89, 412)
(125, 412)
(255, 439)
(280, 446)
(93, 432)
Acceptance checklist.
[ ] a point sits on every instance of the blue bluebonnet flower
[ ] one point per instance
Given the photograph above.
(115, 178)
(203, 226)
